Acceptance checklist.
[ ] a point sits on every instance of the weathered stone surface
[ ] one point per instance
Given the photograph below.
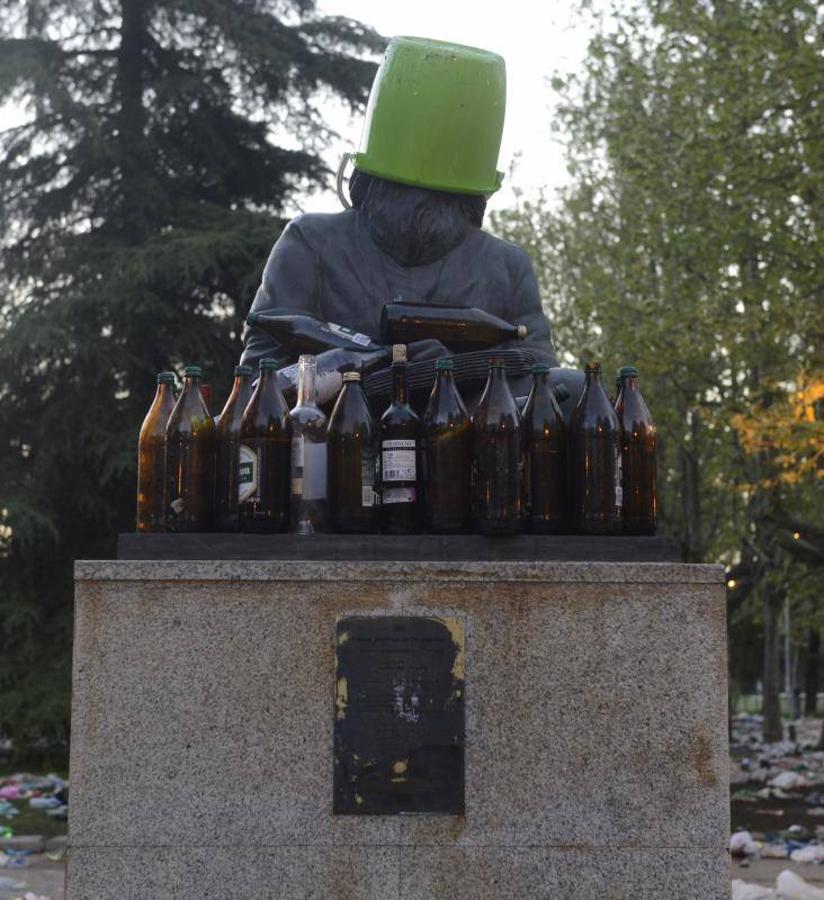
(595, 731)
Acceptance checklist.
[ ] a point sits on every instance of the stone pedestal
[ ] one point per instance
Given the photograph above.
(202, 733)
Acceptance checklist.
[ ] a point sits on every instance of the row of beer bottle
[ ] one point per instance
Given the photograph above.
(265, 469)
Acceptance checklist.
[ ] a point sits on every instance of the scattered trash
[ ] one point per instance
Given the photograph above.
(793, 887)
(7, 884)
(742, 844)
(812, 853)
(743, 891)
(789, 781)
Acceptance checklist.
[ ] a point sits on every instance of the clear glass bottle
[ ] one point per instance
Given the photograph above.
(307, 503)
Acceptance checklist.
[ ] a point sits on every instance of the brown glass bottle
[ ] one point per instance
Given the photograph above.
(638, 459)
(462, 328)
(546, 468)
(352, 460)
(264, 456)
(595, 471)
(306, 334)
(400, 435)
(190, 462)
(497, 457)
(151, 450)
(227, 450)
(445, 456)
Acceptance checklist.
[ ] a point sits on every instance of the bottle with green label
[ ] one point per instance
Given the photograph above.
(497, 457)
(400, 435)
(264, 457)
(189, 482)
(306, 334)
(596, 460)
(227, 454)
(445, 456)
(307, 503)
(352, 462)
(151, 449)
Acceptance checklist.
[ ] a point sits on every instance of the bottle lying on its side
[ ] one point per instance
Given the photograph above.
(297, 333)
(330, 367)
(459, 327)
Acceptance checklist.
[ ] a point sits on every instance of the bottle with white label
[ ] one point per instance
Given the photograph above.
(596, 460)
(306, 334)
(400, 435)
(307, 503)
(352, 462)
(264, 457)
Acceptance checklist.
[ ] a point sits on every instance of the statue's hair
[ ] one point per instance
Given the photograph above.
(470, 206)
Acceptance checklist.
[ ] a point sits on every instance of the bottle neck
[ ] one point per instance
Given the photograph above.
(164, 392)
(497, 374)
(399, 394)
(307, 393)
(630, 383)
(541, 381)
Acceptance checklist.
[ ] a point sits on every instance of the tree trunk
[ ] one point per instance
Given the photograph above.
(811, 673)
(773, 730)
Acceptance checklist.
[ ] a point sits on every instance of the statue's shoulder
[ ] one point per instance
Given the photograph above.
(316, 228)
(503, 252)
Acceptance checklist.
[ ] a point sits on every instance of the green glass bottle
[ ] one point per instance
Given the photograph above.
(545, 440)
(227, 452)
(352, 459)
(400, 435)
(638, 458)
(596, 460)
(264, 457)
(189, 479)
(497, 457)
(151, 450)
(445, 456)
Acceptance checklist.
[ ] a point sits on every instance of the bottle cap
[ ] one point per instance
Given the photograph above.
(252, 318)
(244, 370)
(540, 369)
(522, 332)
(268, 363)
(627, 371)
(193, 372)
(351, 376)
(593, 367)
(398, 353)
(306, 359)
(496, 362)
(166, 378)
(445, 365)
(561, 392)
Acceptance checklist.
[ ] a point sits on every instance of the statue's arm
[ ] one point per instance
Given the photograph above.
(291, 280)
(527, 310)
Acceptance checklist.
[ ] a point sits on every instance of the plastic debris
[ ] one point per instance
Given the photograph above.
(812, 853)
(789, 781)
(790, 886)
(774, 851)
(8, 884)
(743, 844)
(743, 891)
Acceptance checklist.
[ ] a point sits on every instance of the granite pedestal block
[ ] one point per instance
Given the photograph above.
(202, 733)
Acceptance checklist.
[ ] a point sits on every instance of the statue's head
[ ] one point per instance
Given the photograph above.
(429, 151)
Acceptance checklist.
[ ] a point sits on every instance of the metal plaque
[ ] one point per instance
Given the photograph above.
(399, 715)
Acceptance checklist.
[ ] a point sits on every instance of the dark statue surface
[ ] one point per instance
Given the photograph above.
(399, 715)
(397, 243)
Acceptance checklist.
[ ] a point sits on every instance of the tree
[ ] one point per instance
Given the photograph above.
(139, 200)
(688, 242)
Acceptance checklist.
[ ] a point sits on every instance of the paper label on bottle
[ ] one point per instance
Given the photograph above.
(368, 495)
(398, 495)
(619, 490)
(398, 462)
(247, 473)
(362, 340)
(308, 469)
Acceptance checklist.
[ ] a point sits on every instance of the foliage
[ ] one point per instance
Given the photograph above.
(689, 242)
(138, 202)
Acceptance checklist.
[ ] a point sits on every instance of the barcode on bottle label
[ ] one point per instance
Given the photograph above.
(367, 495)
(398, 460)
(356, 337)
(398, 495)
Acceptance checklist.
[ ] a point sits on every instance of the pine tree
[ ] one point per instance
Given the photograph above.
(138, 203)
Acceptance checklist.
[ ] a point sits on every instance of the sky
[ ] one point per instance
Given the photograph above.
(536, 39)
